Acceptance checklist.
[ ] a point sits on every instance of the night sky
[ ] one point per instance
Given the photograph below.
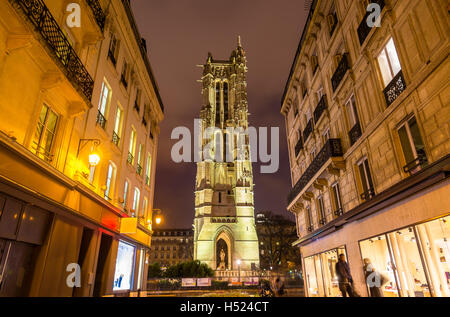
(179, 35)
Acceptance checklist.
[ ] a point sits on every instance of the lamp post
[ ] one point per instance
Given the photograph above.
(239, 268)
(157, 216)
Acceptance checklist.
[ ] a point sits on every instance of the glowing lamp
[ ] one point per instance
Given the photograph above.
(238, 262)
(158, 220)
(94, 159)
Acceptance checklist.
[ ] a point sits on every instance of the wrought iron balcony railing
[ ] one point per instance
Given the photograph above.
(320, 108)
(394, 88)
(130, 158)
(340, 72)
(339, 212)
(369, 194)
(414, 165)
(115, 138)
(364, 28)
(99, 15)
(147, 180)
(139, 169)
(332, 148)
(101, 120)
(355, 133)
(308, 130)
(298, 147)
(40, 16)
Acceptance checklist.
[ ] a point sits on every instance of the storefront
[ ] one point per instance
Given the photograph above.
(124, 271)
(415, 260)
(320, 273)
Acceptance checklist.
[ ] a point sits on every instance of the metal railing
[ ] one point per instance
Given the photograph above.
(355, 133)
(339, 212)
(369, 194)
(99, 15)
(320, 108)
(308, 130)
(130, 158)
(115, 138)
(340, 72)
(40, 16)
(394, 88)
(332, 148)
(412, 166)
(139, 169)
(101, 120)
(363, 28)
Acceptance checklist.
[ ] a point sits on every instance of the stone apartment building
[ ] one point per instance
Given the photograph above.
(79, 125)
(172, 246)
(368, 124)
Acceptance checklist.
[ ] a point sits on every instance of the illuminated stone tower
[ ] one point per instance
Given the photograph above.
(224, 210)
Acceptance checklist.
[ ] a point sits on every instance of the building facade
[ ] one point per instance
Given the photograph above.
(367, 119)
(79, 117)
(224, 226)
(172, 246)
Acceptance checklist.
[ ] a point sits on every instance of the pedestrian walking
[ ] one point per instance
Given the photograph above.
(374, 279)
(344, 277)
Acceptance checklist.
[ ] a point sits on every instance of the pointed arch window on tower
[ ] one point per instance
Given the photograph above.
(225, 101)
(217, 103)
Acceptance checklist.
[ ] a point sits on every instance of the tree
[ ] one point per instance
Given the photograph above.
(189, 269)
(154, 270)
(276, 235)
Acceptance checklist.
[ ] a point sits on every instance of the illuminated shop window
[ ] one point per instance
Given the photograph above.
(123, 277)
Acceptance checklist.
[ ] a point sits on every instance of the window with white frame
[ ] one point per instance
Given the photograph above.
(352, 112)
(336, 193)
(45, 134)
(389, 62)
(136, 198)
(109, 180)
(413, 147)
(367, 187)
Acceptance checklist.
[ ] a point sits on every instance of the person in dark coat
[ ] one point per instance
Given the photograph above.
(344, 277)
(374, 279)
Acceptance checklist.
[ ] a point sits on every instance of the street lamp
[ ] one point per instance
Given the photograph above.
(239, 268)
(158, 216)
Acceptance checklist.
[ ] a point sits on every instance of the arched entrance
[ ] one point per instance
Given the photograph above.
(223, 251)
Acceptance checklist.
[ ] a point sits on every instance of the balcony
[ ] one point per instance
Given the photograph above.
(130, 158)
(340, 72)
(139, 169)
(308, 130)
(40, 16)
(416, 165)
(394, 88)
(298, 147)
(367, 195)
(331, 149)
(115, 138)
(355, 133)
(98, 13)
(339, 212)
(363, 28)
(320, 108)
(101, 120)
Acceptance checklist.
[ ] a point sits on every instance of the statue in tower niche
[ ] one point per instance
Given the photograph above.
(224, 224)
(222, 265)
